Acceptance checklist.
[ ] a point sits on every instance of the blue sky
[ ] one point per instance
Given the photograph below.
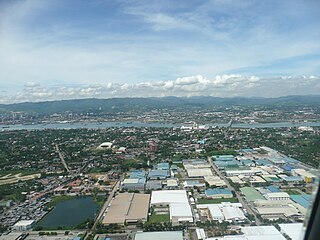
(124, 45)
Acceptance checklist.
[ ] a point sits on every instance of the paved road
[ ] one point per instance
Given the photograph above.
(62, 158)
(240, 198)
(104, 207)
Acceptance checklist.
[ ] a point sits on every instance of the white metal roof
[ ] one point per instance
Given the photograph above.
(168, 197)
(293, 230)
(171, 235)
(180, 210)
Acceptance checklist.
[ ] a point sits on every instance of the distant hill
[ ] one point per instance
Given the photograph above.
(127, 104)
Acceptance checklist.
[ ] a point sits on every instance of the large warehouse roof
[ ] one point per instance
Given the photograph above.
(199, 172)
(293, 230)
(181, 211)
(176, 235)
(169, 196)
(127, 207)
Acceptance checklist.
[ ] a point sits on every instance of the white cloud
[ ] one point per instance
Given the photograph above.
(220, 86)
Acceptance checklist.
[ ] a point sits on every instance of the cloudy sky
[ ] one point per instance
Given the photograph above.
(66, 49)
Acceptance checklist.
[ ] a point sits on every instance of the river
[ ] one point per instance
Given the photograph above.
(101, 125)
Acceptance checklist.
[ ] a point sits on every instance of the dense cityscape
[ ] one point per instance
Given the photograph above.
(187, 180)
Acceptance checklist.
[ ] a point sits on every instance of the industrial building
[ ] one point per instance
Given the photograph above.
(158, 174)
(249, 172)
(127, 208)
(134, 183)
(199, 172)
(163, 166)
(169, 235)
(277, 196)
(215, 181)
(293, 230)
(251, 194)
(275, 212)
(177, 200)
(172, 184)
(193, 183)
(154, 185)
(218, 193)
(305, 175)
(24, 225)
(231, 212)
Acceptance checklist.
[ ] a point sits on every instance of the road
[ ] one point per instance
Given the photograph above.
(240, 198)
(104, 207)
(62, 158)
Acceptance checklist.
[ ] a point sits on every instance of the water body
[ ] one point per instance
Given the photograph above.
(101, 125)
(70, 213)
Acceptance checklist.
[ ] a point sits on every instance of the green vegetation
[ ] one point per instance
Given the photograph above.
(157, 218)
(219, 200)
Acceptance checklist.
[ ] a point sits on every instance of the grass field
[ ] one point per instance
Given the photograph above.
(14, 172)
(220, 200)
(157, 218)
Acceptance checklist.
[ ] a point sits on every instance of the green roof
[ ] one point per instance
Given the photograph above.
(251, 194)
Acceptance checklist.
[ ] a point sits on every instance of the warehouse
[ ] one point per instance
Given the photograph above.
(293, 230)
(172, 184)
(154, 185)
(170, 235)
(277, 196)
(193, 183)
(306, 176)
(158, 174)
(230, 173)
(127, 208)
(254, 233)
(134, 183)
(199, 172)
(163, 166)
(251, 194)
(278, 212)
(180, 212)
(23, 225)
(218, 193)
(178, 203)
(231, 212)
(215, 181)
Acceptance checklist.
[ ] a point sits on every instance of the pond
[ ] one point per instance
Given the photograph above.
(70, 213)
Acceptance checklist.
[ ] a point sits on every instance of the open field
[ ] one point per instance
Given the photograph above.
(9, 178)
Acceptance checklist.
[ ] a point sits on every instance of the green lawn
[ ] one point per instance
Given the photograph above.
(157, 218)
(219, 200)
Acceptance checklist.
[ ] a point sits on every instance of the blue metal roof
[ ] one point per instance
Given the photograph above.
(163, 166)
(288, 167)
(290, 160)
(273, 189)
(263, 162)
(158, 173)
(301, 200)
(215, 191)
(137, 174)
(293, 179)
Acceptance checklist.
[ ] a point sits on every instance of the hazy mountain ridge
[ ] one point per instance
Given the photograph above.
(124, 104)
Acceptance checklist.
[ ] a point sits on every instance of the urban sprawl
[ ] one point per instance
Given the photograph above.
(187, 182)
